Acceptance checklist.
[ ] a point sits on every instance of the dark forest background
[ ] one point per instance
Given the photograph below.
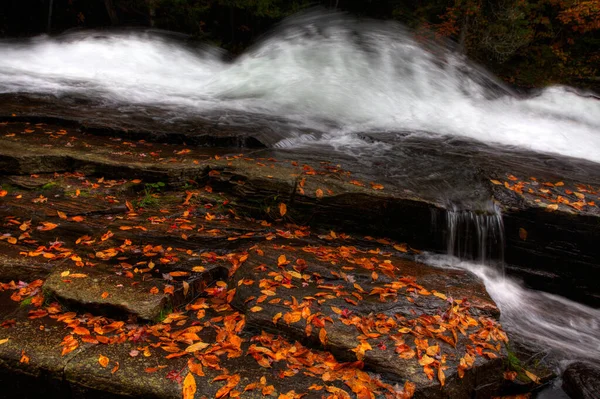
(527, 43)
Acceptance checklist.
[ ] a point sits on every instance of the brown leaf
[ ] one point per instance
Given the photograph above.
(523, 234)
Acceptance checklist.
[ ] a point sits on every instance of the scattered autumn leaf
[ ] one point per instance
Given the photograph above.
(103, 360)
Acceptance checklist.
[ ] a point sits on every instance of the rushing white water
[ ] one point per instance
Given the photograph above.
(566, 329)
(327, 72)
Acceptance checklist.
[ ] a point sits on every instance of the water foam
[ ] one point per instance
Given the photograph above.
(326, 72)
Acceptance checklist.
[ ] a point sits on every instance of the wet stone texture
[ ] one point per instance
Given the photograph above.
(152, 269)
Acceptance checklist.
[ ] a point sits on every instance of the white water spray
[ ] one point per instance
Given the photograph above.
(324, 72)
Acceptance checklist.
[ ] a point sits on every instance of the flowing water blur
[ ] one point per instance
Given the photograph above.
(325, 72)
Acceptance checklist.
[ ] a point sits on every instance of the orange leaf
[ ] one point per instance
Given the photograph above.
(114, 370)
(81, 331)
(196, 347)
(77, 218)
(104, 295)
(323, 336)
(319, 193)
(47, 226)
(61, 215)
(282, 209)
(103, 360)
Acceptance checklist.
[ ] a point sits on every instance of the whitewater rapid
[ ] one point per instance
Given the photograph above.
(326, 72)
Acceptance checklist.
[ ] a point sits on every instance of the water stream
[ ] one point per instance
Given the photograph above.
(327, 73)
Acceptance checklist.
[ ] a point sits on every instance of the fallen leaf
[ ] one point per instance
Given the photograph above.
(103, 360)
(282, 209)
(189, 386)
(532, 377)
(523, 234)
(3, 341)
(198, 346)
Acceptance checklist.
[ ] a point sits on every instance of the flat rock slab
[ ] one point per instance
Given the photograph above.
(31, 364)
(370, 307)
(106, 292)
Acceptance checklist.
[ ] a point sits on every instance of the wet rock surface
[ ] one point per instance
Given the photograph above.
(582, 380)
(151, 264)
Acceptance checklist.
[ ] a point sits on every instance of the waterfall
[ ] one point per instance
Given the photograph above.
(475, 235)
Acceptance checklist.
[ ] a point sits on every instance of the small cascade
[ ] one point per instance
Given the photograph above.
(476, 235)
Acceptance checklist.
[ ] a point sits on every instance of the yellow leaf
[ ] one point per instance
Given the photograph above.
(198, 346)
(255, 309)
(276, 317)
(440, 295)
(532, 377)
(3, 341)
(103, 360)
(552, 207)
(282, 209)
(65, 273)
(426, 360)
(441, 376)
(496, 182)
(189, 386)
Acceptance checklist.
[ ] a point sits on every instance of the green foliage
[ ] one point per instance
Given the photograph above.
(26, 302)
(49, 185)
(150, 198)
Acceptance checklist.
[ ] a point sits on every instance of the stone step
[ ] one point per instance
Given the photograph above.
(403, 319)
